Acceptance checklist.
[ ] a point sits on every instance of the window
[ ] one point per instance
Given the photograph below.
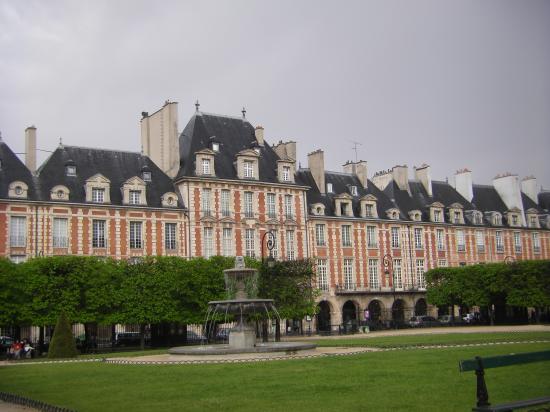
(288, 206)
(517, 242)
(271, 205)
(170, 236)
(205, 166)
(18, 258)
(437, 215)
(60, 232)
(146, 176)
(249, 243)
(215, 147)
(418, 238)
(353, 190)
(456, 217)
(208, 242)
(98, 233)
(320, 235)
(440, 235)
(460, 241)
(227, 241)
(248, 169)
(286, 173)
(397, 274)
(477, 219)
(322, 278)
(98, 195)
(533, 221)
(374, 280)
(442, 263)
(18, 231)
(536, 243)
(135, 235)
(395, 237)
(480, 241)
(274, 253)
(206, 202)
(348, 274)
(369, 210)
(134, 197)
(225, 203)
(290, 245)
(498, 241)
(346, 235)
(70, 170)
(420, 278)
(514, 220)
(497, 220)
(248, 205)
(372, 241)
(329, 187)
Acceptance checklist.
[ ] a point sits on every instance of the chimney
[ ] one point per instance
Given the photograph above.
(463, 184)
(259, 132)
(159, 137)
(359, 169)
(30, 148)
(382, 179)
(529, 187)
(508, 188)
(422, 174)
(286, 150)
(401, 177)
(316, 164)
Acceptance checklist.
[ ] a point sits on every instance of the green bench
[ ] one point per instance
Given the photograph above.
(480, 364)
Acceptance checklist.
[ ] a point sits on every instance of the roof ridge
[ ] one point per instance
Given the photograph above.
(97, 149)
(222, 115)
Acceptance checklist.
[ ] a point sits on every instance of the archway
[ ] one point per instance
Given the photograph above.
(421, 307)
(349, 317)
(398, 312)
(375, 311)
(323, 317)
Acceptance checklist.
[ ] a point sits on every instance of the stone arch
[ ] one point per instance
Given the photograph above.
(349, 316)
(421, 307)
(323, 316)
(375, 309)
(398, 312)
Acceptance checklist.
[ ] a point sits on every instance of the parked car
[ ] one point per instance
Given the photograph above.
(127, 339)
(447, 320)
(423, 321)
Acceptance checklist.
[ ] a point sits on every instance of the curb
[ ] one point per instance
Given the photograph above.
(31, 403)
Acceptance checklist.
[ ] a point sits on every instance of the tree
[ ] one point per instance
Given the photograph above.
(13, 299)
(62, 344)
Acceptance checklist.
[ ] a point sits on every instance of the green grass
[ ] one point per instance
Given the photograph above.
(423, 380)
(435, 339)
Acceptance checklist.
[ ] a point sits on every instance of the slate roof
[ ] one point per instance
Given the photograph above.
(544, 200)
(12, 169)
(117, 166)
(486, 199)
(234, 135)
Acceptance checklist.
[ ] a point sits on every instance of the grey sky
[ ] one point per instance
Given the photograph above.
(450, 83)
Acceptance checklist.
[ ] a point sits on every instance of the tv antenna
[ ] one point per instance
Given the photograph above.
(355, 144)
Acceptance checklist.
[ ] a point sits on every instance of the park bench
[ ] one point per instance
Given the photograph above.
(480, 364)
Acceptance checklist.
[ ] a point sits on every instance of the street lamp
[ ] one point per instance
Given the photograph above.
(387, 261)
(509, 259)
(270, 245)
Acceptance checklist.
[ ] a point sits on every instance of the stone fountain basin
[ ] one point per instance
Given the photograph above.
(225, 349)
(245, 306)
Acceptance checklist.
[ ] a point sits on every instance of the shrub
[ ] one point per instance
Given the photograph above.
(62, 344)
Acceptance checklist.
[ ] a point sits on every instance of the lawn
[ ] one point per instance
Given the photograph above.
(426, 380)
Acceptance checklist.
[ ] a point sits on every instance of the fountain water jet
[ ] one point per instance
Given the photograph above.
(242, 290)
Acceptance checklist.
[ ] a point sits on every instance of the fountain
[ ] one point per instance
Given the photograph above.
(242, 289)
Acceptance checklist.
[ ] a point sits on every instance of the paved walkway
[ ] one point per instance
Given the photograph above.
(10, 407)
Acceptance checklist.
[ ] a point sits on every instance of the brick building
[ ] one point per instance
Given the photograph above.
(218, 187)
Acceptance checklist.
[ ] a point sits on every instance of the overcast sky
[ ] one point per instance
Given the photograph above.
(450, 83)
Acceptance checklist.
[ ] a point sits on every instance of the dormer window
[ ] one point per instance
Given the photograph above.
(18, 189)
(135, 197)
(248, 169)
(415, 215)
(437, 216)
(215, 147)
(436, 212)
(353, 190)
(98, 195)
(286, 173)
(533, 221)
(368, 206)
(392, 214)
(318, 209)
(369, 210)
(455, 214)
(329, 188)
(395, 215)
(497, 219)
(515, 220)
(343, 205)
(146, 176)
(59, 192)
(477, 218)
(169, 199)
(205, 166)
(70, 170)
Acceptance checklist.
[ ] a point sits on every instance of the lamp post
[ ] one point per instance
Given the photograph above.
(270, 263)
(387, 261)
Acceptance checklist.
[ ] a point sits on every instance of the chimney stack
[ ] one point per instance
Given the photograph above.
(30, 148)
(316, 164)
(259, 132)
(401, 177)
(359, 169)
(508, 188)
(463, 184)
(529, 187)
(422, 174)
(286, 150)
